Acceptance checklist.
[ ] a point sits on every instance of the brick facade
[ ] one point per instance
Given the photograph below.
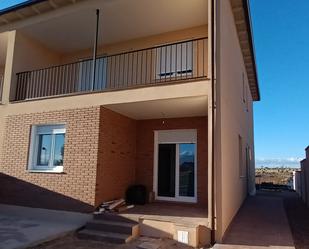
(104, 153)
(74, 188)
(117, 154)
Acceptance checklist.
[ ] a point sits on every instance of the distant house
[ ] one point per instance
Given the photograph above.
(162, 95)
(302, 178)
(290, 183)
(296, 181)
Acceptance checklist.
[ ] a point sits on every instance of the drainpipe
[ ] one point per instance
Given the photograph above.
(213, 95)
(95, 49)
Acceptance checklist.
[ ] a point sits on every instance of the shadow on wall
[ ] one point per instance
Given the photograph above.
(14, 191)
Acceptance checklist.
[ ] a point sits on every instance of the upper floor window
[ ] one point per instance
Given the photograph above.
(47, 148)
(174, 60)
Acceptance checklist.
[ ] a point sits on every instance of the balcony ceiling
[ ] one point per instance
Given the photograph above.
(169, 108)
(120, 20)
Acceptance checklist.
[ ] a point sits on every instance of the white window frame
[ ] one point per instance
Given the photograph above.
(36, 130)
(174, 137)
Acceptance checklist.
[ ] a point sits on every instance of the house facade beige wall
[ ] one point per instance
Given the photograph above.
(101, 99)
(29, 54)
(24, 53)
(140, 43)
(25, 47)
(234, 116)
(234, 120)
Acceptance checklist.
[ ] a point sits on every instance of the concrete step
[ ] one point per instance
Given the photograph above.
(113, 226)
(104, 236)
(112, 217)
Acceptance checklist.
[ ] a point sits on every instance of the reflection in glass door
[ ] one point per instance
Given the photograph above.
(186, 169)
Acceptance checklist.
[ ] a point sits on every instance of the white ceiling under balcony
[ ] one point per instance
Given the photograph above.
(120, 20)
(164, 108)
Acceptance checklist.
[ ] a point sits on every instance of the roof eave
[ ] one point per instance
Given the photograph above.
(242, 17)
(250, 33)
(20, 6)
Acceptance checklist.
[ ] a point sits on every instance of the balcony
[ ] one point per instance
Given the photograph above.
(167, 64)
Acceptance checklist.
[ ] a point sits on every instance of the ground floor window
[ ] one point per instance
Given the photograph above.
(175, 165)
(47, 148)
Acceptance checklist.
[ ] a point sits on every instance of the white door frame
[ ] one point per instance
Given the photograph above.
(174, 137)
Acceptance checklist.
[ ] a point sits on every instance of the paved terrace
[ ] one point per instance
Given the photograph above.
(261, 223)
(21, 227)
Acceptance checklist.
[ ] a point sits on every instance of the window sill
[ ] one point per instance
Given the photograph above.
(53, 171)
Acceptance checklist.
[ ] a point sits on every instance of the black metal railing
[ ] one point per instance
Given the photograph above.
(162, 64)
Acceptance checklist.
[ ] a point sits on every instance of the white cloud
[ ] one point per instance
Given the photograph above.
(186, 153)
(293, 162)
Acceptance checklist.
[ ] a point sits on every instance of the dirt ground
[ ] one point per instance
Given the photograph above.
(279, 175)
(72, 242)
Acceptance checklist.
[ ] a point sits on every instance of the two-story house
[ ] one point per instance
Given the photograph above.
(98, 95)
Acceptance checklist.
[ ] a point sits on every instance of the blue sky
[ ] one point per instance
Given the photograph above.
(281, 37)
(7, 3)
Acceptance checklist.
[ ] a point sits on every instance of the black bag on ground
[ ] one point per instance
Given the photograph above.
(136, 194)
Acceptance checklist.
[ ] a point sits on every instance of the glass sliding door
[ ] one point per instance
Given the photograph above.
(175, 169)
(186, 170)
(166, 170)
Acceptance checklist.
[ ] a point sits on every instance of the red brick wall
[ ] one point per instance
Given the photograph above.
(74, 189)
(117, 154)
(105, 152)
(145, 150)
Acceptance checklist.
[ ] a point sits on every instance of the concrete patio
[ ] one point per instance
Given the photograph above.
(21, 227)
(260, 223)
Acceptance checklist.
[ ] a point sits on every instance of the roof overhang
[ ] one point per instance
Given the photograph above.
(241, 11)
(12, 17)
